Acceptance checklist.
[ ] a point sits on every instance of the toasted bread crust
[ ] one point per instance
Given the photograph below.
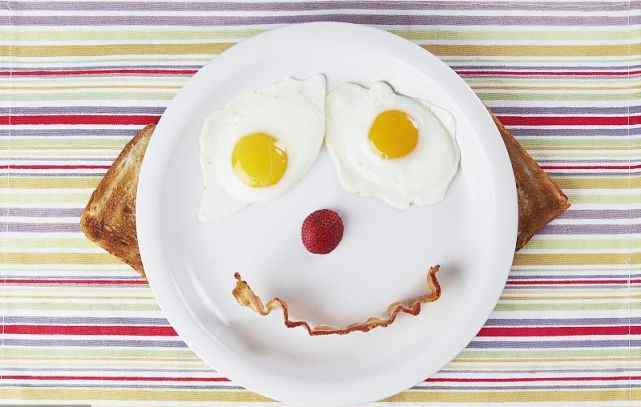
(109, 218)
(540, 199)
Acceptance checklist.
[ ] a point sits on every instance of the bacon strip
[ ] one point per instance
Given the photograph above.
(246, 297)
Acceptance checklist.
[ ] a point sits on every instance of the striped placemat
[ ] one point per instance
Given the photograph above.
(79, 78)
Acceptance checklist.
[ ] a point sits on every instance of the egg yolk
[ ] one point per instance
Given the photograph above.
(393, 134)
(258, 160)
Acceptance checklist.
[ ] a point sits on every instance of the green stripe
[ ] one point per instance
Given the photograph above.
(36, 82)
(520, 35)
(531, 353)
(529, 83)
(205, 48)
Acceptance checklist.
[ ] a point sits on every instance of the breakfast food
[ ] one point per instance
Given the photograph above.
(260, 144)
(245, 296)
(109, 219)
(322, 231)
(540, 199)
(390, 146)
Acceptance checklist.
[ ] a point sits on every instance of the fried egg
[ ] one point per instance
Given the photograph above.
(260, 144)
(399, 149)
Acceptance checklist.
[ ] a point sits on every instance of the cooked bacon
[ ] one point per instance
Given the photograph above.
(246, 297)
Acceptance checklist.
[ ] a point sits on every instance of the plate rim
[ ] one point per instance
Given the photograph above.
(168, 295)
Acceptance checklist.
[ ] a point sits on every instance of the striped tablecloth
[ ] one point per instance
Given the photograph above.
(79, 78)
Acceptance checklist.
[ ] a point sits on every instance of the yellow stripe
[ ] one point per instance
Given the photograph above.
(39, 198)
(417, 396)
(55, 182)
(115, 49)
(598, 182)
(555, 360)
(50, 393)
(411, 396)
(535, 50)
(218, 47)
(92, 181)
(573, 259)
(59, 258)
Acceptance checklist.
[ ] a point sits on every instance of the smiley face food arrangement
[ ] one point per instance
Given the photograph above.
(393, 147)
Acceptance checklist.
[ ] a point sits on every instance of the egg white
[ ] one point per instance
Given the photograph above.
(292, 111)
(420, 178)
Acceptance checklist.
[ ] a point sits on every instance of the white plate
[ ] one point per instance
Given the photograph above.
(382, 258)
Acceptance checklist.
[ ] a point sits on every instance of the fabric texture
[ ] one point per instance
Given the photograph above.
(79, 78)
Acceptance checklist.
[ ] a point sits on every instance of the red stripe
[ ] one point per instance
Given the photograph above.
(562, 282)
(553, 282)
(529, 379)
(134, 330)
(101, 72)
(193, 71)
(52, 167)
(69, 281)
(124, 330)
(559, 331)
(80, 119)
(223, 379)
(547, 73)
(119, 378)
(569, 120)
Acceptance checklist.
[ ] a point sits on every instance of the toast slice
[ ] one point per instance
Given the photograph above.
(109, 219)
(540, 199)
(110, 216)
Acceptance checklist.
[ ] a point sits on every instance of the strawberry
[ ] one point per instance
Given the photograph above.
(322, 231)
